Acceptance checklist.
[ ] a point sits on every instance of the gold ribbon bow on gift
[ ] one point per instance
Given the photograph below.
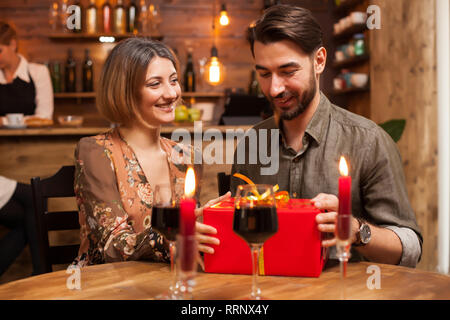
(281, 197)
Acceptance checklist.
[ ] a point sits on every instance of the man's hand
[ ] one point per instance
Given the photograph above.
(326, 222)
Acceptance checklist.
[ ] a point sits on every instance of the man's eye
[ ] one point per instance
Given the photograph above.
(264, 75)
(290, 72)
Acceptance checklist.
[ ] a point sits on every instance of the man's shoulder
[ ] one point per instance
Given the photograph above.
(349, 119)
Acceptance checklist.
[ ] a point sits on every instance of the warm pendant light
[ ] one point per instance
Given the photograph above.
(215, 71)
(224, 20)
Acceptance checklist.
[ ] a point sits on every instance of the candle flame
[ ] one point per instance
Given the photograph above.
(343, 168)
(189, 183)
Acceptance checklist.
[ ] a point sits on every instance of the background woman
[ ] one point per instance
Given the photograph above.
(24, 87)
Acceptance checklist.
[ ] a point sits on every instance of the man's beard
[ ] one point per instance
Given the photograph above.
(307, 97)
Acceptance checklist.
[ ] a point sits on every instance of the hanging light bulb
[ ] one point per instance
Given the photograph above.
(224, 20)
(215, 71)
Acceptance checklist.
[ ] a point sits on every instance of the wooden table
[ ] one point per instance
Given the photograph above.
(142, 280)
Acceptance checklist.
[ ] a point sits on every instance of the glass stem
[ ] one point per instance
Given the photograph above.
(256, 292)
(172, 250)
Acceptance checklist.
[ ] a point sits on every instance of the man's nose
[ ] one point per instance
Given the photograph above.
(276, 86)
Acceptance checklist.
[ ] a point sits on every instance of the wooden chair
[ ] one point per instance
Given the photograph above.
(58, 186)
(223, 183)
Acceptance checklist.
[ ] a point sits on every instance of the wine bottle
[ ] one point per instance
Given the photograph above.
(55, 73)
(106, 17)
(189, 75)
(120, 23)
(88, 73)
(132, 18)
(91, 18)
(70, 73)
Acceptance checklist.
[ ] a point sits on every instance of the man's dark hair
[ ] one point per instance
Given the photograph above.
(286, 22)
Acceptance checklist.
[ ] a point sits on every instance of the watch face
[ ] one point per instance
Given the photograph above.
(365, 233)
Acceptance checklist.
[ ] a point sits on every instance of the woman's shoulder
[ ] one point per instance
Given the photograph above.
(100, 141)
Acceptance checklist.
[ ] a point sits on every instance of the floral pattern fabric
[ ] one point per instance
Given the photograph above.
(115, 199)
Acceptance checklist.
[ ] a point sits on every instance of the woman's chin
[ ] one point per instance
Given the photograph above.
(167, 119)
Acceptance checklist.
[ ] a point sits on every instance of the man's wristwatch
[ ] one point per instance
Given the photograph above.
(363, 235)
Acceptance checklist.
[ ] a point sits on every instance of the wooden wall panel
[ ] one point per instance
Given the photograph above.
(403, 80)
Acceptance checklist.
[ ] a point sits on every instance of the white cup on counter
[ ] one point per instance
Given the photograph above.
(15, 119)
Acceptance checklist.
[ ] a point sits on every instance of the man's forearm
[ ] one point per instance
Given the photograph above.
(384, 247)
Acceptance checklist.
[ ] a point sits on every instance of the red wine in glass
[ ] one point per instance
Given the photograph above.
(166, 220)
(255, 225)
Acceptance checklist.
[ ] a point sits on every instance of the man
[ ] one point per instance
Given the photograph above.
(286, 44)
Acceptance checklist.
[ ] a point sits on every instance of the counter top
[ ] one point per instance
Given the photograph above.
(57, 130)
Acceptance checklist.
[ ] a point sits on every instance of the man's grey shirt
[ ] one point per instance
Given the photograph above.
(379, 194)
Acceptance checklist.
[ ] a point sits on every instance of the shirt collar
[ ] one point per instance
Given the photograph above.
(21, 72)
(318, 124)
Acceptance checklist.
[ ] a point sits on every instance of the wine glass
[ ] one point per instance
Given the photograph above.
(165, 220)
(255, 221)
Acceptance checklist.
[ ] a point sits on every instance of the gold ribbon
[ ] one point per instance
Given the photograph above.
(261, 262)
(281, 197)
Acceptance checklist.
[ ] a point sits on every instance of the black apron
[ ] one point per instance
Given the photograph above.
(18, 97)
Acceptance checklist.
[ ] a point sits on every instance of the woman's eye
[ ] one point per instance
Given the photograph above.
(153, 84)
(174, 80)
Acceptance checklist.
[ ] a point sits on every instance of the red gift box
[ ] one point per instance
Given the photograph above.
(295, 250)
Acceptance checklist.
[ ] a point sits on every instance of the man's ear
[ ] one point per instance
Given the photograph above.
(320, 60)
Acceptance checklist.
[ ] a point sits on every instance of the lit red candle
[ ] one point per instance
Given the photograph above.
(345, 202)
(187, 222)
(187, 205)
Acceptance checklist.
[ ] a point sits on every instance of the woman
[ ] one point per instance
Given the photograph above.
(24, 87)
(116, 172)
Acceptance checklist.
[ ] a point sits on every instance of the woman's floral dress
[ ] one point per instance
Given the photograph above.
(115, 199)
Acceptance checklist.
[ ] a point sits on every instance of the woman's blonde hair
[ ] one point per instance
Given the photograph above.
(123, 75)
(7, 33)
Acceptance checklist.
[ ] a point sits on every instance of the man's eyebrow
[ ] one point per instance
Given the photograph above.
(258, 67)
(290, 65)
(286, 65)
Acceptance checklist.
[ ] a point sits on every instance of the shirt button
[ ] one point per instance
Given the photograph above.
(296, 160)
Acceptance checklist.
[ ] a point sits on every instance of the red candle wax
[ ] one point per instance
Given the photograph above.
(187, 230)
(345, 196)
(187, 216)
(345, 203)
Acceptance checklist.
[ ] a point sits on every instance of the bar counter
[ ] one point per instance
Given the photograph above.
(93, 130)
(30, 152)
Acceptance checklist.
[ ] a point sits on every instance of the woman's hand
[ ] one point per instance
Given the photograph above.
(204, 231)
(199, 211)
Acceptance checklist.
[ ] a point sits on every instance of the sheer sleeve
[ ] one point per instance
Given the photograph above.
(107, 234)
